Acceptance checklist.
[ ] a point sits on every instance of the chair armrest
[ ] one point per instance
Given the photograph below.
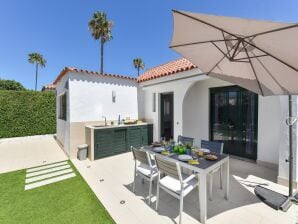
(189, 178)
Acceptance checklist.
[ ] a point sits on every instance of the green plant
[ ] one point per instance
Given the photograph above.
(101, 29)
(11, 85)
(188, 146)
(25, 113)
(37, 59)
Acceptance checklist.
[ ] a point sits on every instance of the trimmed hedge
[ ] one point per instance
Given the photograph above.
(26, 113)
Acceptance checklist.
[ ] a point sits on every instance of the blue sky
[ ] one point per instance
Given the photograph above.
(58, 29)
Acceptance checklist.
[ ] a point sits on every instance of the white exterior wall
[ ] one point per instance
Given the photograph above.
(178, 88)
(62, 126)
(196, 119)
(192, 94)
(91, 98)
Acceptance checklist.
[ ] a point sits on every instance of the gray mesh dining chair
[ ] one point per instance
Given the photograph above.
(185, 140)
(216, 147)
(174, 182)
(145, 168)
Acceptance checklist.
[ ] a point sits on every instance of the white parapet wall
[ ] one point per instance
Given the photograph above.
(91, 98)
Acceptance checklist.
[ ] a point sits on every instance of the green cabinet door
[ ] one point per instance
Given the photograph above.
(112, 141)
(150, 133)
(119, 140)
(144, 135)
(134, 137)
(103, 143)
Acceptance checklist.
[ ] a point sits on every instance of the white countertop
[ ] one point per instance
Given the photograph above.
(114, 126)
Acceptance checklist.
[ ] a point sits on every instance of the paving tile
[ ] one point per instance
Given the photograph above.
(243, 207)
(47, 171)
(49, 181)
(48, 175)
(21, 154)
(46, 166)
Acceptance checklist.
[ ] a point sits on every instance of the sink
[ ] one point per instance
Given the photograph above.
(100, 126)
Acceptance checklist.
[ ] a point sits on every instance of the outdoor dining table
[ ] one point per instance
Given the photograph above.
(202, 169)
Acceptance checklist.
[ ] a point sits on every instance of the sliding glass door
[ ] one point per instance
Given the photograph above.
(234, 120)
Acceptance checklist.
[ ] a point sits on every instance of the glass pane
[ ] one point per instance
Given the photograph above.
(234, 120)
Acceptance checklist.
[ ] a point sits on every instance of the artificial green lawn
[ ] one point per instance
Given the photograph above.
(68, 201)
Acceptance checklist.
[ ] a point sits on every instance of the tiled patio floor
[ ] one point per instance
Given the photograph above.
(24, 152)
(111, 180)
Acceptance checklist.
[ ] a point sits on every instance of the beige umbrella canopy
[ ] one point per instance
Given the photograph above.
(261, 56)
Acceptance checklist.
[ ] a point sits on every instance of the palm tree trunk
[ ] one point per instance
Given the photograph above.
(101, 56)
(138, 71)
(36, 74)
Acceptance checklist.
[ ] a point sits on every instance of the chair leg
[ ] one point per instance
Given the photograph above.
(157, 196)
(150, 190)
(220, 177)
(210, 186)
(181, 209)
(199, 195)
(134, 182)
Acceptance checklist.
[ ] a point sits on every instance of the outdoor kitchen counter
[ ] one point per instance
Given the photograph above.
(114, 126)
(104, 141)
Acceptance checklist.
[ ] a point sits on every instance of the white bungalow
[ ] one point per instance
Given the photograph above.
(178, 99)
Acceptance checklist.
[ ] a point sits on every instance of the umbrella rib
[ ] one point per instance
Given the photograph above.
(199, 42)
(225, 56)
(221, 50)
(276, 58)
(204, 22)
(223, 35)
(272, 31)
(256, 56)
(235, 51)
(253, 69)
(281, 87)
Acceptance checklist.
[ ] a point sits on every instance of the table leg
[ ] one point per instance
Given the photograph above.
(203, 197)
(227, 178)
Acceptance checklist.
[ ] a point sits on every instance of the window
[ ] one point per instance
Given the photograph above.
(154, 102)
(62, 107)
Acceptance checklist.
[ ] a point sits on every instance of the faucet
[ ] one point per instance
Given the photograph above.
(105, 120)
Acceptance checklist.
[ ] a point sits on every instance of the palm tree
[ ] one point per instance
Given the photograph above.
(101, 29)
(37, 59)
(138, 64)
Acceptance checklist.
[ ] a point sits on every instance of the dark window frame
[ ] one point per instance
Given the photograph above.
(63, 107)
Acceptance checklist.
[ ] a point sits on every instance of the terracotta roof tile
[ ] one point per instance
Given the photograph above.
(170, 68)
(76, 70)
(49, 87)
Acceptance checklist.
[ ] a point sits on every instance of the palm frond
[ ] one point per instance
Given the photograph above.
(138, 63)
(100, 27)
(36, 58)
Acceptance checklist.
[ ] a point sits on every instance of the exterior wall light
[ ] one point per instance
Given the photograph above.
(113, 96)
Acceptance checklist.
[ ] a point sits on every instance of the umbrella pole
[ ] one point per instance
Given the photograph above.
(290, 124)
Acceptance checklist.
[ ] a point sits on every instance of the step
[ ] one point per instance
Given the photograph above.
(46, 166)
(48, 175)
(49, 181)
(47, 171)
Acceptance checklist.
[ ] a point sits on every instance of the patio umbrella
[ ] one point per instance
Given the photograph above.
(260, 56)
